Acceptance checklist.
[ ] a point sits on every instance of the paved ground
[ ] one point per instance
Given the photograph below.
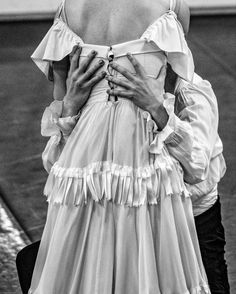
(12, 239)
(24, 93)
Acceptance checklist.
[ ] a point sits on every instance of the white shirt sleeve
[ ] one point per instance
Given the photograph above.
(195, 128)
(58, 129)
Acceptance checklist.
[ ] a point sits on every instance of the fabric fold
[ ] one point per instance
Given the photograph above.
(58, 129)
(167, 33)
(52, 123)
(120, 184)
(157, 144)
(57, 44)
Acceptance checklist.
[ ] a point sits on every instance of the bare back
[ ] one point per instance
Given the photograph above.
(107, 22)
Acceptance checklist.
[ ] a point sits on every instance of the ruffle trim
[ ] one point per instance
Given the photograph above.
(166, 32)
(178, 53)
(110, 181)
(122, 185)
(202, 289)
(158, 143)
(57, 43)
(53, 124)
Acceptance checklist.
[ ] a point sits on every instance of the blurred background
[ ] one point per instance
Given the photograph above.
(28, 9)
(24, 93)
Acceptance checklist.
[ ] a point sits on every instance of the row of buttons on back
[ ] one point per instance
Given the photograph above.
(110, 57)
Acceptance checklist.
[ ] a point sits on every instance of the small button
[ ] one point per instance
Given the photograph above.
(110, 55)
(145, 115)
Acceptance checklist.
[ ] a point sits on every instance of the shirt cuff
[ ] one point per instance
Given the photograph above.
(53, 124)
(168, 132)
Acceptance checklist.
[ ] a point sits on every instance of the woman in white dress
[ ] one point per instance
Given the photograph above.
(119, 218)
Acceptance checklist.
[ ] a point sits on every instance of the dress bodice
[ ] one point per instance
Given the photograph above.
(163, 41)
(114, 147)
(149, 56)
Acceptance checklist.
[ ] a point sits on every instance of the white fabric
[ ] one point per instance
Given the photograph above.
(104, 172)
(58, 128)
(172, 4)
(166, 33)
(205, 202)
(115, 249)
(52, 123)
(195, 142)
(120, 218)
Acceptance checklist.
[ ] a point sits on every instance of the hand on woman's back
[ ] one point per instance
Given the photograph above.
(82, 76)
(106, 21)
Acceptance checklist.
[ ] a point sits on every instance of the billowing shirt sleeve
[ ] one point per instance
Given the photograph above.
(194, 124)
(58, 129)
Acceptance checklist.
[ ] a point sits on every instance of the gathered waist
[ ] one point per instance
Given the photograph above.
(99, 95)
(151, 59)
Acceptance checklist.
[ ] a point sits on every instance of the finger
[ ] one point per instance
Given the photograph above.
(74, 60)
(95, 79)
(86, 62)
(123, 71)
(162, 73)
(120, 93)
(93, 70)
(137, 66)
(119, 82)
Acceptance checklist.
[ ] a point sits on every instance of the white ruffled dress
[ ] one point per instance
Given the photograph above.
(120, 219)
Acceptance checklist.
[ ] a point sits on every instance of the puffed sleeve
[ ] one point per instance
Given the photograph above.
(58, 129)
(194, 128)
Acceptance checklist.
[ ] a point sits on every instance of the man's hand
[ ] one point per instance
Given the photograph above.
(80, 81)
(145, 92)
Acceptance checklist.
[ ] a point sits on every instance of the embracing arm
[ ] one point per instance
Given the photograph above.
(194, 129)
(71, 91)
(190, 132)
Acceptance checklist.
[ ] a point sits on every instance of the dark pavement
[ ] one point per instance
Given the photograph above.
(24, 93)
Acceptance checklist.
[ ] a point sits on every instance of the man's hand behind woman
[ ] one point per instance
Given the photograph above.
(80, 81)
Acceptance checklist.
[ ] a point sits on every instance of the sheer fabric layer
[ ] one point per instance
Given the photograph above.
(107, 248)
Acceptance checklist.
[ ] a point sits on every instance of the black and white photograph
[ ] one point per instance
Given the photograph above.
(117, 147)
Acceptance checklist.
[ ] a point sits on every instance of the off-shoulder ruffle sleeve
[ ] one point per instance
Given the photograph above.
(167, 33)
(58, 43)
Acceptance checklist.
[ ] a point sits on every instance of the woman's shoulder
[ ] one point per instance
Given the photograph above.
(181, 9)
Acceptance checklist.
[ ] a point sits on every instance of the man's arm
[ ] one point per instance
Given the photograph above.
(194, 128)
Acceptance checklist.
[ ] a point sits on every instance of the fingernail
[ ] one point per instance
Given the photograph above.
(101, 62)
